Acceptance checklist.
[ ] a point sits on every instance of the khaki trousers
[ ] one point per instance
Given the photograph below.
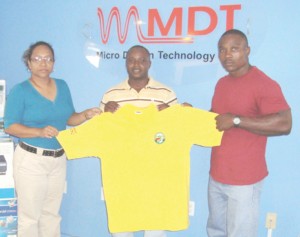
(40, 182)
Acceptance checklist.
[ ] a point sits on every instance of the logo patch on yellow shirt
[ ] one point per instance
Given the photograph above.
(159, 138)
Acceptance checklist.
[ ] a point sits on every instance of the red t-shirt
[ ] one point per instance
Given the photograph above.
(240, 159)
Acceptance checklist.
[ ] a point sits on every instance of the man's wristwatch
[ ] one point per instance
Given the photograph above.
(236, 121)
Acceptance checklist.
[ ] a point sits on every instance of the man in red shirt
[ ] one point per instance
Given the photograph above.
(251, 107)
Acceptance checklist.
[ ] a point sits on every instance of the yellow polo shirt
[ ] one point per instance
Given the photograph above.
(145, 158)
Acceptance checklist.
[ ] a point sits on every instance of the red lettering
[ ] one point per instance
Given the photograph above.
(230, 14)
(153, 16)
(192, 20)
(175, 20)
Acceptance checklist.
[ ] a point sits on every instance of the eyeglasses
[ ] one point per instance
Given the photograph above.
(39, 59)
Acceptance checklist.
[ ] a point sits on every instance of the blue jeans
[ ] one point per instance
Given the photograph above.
(148, 233)
(233, 209)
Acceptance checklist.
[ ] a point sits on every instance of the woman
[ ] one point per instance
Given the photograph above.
(36, 110)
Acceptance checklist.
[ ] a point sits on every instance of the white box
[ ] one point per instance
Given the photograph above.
(6, 161)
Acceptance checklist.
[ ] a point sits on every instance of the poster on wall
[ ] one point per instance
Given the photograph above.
(6, 176)
(8, 202)
(8, 217)
(6, 152)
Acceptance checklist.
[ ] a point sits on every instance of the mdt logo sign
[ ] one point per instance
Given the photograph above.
(180, 28)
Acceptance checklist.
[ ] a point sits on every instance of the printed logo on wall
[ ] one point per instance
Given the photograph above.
(175, 21)
(179, 25)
